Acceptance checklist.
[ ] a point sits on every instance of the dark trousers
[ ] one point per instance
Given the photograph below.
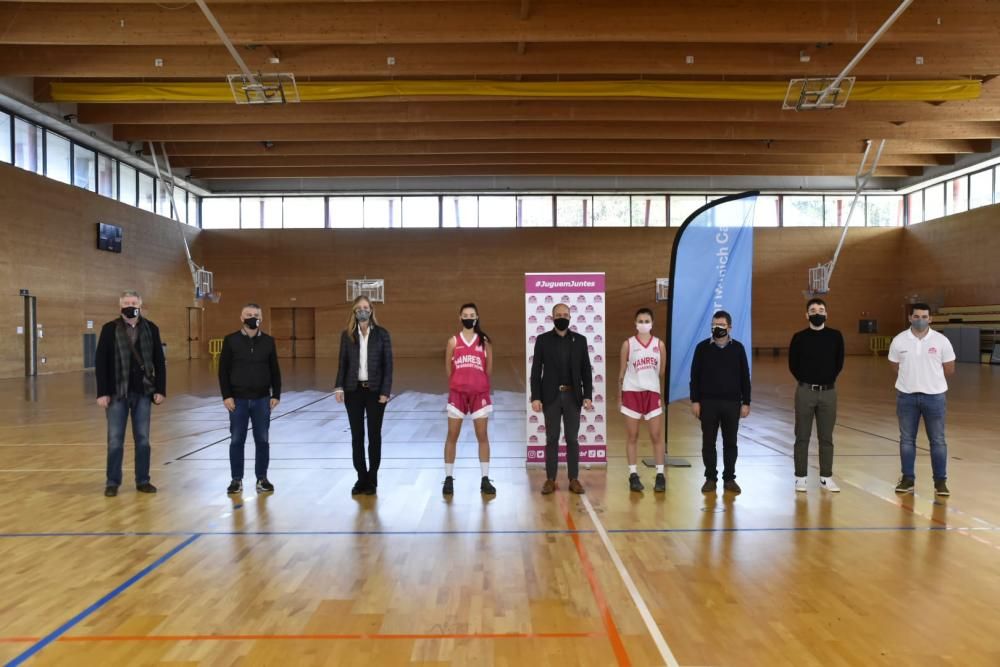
(821, 405)
(713, 415)
(360, 404)
(118, 412)
(256, 411)
(563, 411)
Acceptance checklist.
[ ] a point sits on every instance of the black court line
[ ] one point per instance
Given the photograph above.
(842, 425)
(284, 414)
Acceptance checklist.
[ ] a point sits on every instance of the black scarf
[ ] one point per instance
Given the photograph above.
(144, 349)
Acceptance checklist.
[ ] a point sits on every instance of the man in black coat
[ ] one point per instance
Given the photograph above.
(720, 396)
(131, 377)
(250, 381)
(561, 382)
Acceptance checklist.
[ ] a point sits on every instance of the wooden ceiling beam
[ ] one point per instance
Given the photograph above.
(941, 150)
(682, 21)
(527, 110)
(370, 61)
(829, 159)
(583, 131)
(545, 170)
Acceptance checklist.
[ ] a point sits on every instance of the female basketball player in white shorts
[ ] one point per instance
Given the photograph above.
(641, 376)
(469, 363)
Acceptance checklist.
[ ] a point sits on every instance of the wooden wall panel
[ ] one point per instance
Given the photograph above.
(954, 261)
(48, 229)
(429, 273)
(48, 240)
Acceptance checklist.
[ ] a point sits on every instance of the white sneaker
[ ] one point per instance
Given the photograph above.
(800, 484)
(828, 484)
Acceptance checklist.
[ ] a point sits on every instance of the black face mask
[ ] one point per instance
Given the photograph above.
(130, 312)
(468, 324)
(561, 323)
(817, 319)
(720, 332)
(251, 323)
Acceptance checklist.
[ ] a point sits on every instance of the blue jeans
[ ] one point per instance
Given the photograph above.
(118, 412)
(909, 409)
(258, 412)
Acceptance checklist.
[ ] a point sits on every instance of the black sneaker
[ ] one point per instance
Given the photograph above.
(145, 487)
(371, 488)
(358, 488)
(661, 483)
(449, 486)
(264, 486)
(235, 487)
(905, 485)
(941, 488)
(730, 486)
(487, 488)
(634, 483)
(110, 491)
(709, 486)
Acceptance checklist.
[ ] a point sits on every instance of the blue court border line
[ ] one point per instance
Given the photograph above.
(76, 620)
(405, 533)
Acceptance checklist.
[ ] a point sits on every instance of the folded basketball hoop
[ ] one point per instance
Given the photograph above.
(261, 88)
(821, 93)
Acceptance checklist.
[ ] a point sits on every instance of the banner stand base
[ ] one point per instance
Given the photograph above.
(670, 462)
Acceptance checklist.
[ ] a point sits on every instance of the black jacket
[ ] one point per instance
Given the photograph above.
(720, 373)
(107, 354)
(379, 361)
(248, 367)
(545, 382)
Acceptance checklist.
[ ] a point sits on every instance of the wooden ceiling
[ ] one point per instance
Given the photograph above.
(520, 40)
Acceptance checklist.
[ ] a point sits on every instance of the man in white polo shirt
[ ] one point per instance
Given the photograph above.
(922, 358)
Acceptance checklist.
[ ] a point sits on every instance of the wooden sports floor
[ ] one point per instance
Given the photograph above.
(312, 576)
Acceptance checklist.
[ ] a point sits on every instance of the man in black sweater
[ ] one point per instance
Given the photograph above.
(250, 381)
(815, 358)
(720, 396)
(131, 376)
(561, 383)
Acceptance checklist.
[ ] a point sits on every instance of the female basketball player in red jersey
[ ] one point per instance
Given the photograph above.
(642, 369)
(469, 363)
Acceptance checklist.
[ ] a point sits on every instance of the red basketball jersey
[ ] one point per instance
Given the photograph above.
(468, 366)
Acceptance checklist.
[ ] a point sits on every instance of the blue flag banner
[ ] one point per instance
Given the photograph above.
(711, 270)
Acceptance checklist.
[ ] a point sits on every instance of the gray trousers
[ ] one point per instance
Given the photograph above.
(821, 405)
(563, 411)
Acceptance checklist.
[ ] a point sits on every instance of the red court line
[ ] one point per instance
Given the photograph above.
(312, 637)
(602, 603)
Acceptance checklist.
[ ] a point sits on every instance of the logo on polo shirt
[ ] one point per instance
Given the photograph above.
(932, 350)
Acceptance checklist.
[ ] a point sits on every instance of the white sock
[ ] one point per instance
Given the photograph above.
(659, 469)
(485, 467)
(449, 468)
(633, 469)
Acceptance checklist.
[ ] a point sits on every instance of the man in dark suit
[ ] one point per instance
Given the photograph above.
(131, 376)
(561, 382)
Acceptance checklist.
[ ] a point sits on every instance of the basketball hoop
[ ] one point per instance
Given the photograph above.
(372, 289)
(263, 88)
(821, 93)
(662, 289)
(214, 297)
(819, 279)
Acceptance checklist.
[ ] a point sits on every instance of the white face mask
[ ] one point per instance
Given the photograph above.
(644, 327)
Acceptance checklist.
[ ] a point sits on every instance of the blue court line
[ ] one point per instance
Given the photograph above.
(541, 531)
(71, 623)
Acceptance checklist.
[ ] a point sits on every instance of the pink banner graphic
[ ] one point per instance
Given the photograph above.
(584, 294)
